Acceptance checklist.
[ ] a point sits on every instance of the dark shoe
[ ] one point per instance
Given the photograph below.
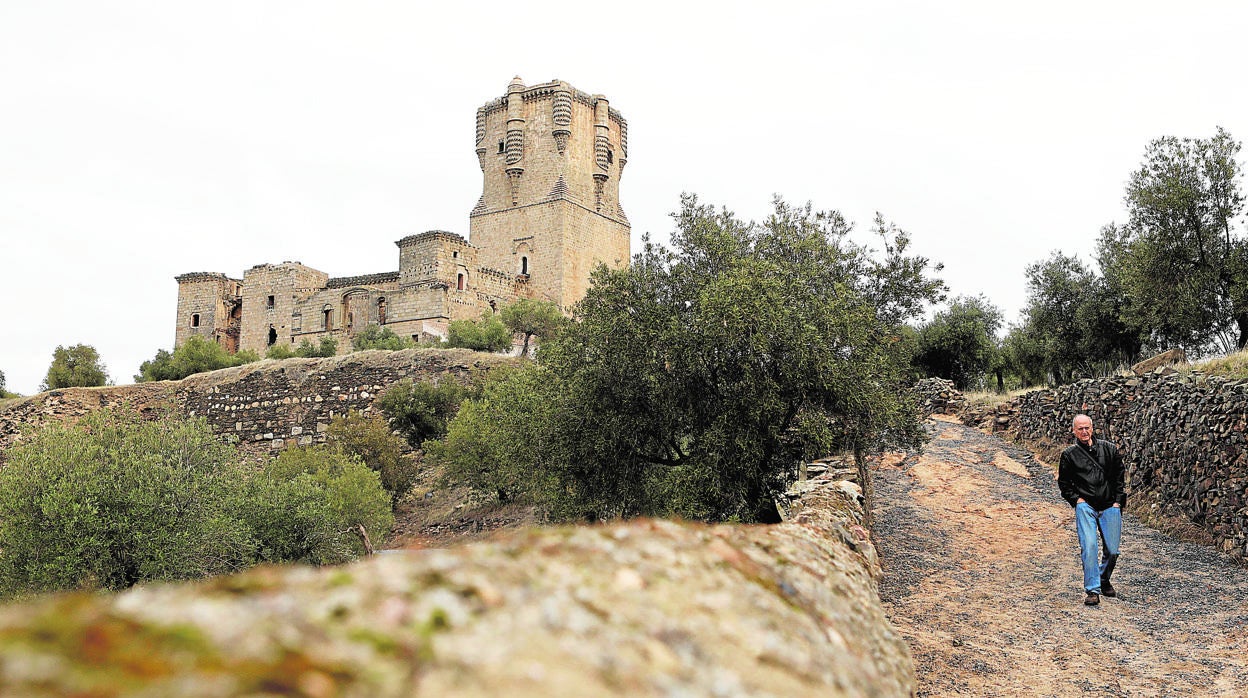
(1107, 589)
(1093, 599)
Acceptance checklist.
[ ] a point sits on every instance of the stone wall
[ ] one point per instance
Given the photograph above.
(266, 405)
(1182, 439)
(644, 608)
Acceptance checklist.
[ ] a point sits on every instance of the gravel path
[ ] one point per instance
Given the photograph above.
(981, 576)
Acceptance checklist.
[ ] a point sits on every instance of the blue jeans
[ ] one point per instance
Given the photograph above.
(1087, 522)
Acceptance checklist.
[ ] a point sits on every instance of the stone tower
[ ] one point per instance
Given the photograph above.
(550, 212)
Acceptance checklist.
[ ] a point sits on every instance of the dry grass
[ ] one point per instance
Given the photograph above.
(1231, 366)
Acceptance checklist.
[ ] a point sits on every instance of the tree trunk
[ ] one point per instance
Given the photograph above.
(1241, 321)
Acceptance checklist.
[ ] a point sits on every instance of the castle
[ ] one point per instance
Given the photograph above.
(551, 158)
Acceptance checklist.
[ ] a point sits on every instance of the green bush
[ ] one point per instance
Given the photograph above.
(308, 502)
(328, 346)
(114, 500)
(76, 366)
(420, 411)
(370, 439)
(486, 334)
(196, 355)
(280, 351)
(377, 337)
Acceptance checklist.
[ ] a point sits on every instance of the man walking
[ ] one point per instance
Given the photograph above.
(1090, 477)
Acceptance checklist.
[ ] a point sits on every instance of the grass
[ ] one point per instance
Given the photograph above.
(1231, 366)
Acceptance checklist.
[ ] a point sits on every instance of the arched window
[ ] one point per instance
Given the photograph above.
(381, 311)
(459, 284)
(328, 318)
(272, 335)
(194, 319)
(524, 265)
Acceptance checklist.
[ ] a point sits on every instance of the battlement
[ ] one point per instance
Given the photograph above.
(363, 280)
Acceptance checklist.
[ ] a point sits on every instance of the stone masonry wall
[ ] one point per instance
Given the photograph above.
(267, 405)
(1182, 438)
(643, 608)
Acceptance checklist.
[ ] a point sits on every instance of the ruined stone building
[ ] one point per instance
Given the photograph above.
(551, 158)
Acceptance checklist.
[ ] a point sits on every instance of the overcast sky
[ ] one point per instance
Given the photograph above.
(141, 140)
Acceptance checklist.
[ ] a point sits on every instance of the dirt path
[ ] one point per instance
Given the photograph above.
(981, 576)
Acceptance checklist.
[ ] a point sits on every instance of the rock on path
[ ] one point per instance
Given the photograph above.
(981, 577)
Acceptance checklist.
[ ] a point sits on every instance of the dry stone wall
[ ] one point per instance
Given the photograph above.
(267, 405)
(1182, 438)
(644, 608)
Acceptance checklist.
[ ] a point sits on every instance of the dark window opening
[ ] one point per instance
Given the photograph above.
(460, 282)
(195, 320)
(328, 319)
(502, 147)
(610, 157)
(524, 265)
(272, 335)
(381, 311)
(269, 304)
(350, 320)
(455, 254)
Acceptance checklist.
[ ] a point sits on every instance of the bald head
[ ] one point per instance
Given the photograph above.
(1082, 429)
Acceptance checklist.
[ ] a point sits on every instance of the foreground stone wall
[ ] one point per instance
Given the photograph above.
(1182, 439)
(645, 608)
(266, 405)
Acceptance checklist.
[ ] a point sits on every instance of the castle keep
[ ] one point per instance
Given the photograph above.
(551, 157)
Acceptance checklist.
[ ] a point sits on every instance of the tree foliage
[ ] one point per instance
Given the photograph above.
(370, 439)
(327, 346)
(960, 343)
(693, 381)
(76, 366)
(419, 410)
(307, 505)
(485, 334)
(1073, 324)
(377, 337)
(532, 318)
(1181, 259)
(114, 500)
(196, 355)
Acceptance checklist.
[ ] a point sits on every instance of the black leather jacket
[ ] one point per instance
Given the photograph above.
(1094, 473)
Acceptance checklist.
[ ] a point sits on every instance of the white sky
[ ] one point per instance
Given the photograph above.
(141, 140)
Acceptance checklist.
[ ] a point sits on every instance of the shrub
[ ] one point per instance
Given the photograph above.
(114, 500)
(328, 346)
(308, 502)
(370, 439)
(196, 355)
(420, 411)
(280, 351)
(376, 337)
(486, 334)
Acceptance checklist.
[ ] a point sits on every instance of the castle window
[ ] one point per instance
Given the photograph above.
(524, 265)
(381, 311)
(328, 318)
(272, 335)
(455, 254)
(269, 303)
(502, 147)
(460, 282)
(350, 320)
(194, 319)
(610, 156)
